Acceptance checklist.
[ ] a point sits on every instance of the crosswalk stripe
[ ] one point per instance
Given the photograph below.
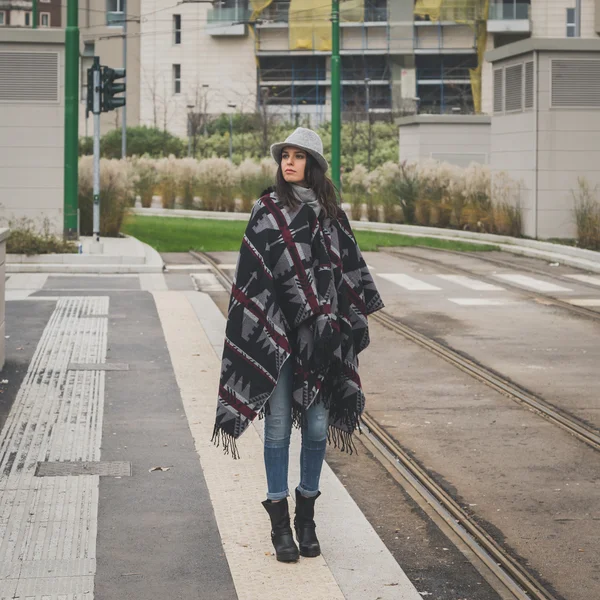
(409, 283)
(585, 279)
(472, 284)
(481, 301)
(532, 283)
(585, 302)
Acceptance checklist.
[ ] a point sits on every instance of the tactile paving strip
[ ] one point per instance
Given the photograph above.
(48, 525)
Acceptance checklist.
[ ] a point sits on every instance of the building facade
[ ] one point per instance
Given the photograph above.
(19, 13)
(102, 25)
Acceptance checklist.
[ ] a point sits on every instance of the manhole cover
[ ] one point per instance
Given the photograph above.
(103, 469)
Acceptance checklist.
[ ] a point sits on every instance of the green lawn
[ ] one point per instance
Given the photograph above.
(168, 234)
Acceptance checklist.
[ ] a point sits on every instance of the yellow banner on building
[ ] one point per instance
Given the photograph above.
(310, 22)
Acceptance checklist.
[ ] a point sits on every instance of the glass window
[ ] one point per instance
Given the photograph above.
(570, 22)
(177, 79)
(27, 19)
(2, 17)
(115, 12)
(45, 19)
(177, 29)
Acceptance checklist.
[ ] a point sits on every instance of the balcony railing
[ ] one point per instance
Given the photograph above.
(509, 12)
(222, 16)
(115, 19)
(279, 12)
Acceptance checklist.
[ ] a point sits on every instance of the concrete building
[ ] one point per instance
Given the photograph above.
(101, 34)
(18, 13)
(456, 139)
(32, 126)
(546, 126)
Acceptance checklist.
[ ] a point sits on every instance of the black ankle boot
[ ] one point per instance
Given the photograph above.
(304, 525)
(281, 532)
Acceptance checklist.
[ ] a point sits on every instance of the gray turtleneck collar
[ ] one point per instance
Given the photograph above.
(308, 196)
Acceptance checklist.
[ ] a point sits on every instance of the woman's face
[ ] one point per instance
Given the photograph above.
(293, 165)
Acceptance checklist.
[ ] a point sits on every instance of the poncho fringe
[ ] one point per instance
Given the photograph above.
(302, 290)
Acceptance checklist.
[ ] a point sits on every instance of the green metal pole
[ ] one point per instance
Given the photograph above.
(34, 14)
(71, 119)
(335, 94)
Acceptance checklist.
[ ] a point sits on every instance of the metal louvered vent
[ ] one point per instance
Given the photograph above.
(498, 90)
(513, 99)
(576, 83)
(529, 84)
(28, 77)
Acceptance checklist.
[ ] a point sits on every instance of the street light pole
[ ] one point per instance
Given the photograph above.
(71, 119)
(335, 94)
(368, 92)
(232, 106)
(124, 109)
(34, 14)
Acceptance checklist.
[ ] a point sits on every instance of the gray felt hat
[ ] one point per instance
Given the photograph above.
(303, 138)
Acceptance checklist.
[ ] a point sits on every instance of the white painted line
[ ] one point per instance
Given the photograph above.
(355, 564)
(227, 266)
(481, 301)
(532, 283)
(153, 282)
(190, 267)
(371, 268)
(409, 283)
(585, 302)
(586, 279)
(470, 283)
(17, 295)
(207, 282)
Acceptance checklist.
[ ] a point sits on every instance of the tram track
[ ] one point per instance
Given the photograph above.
(510, 576)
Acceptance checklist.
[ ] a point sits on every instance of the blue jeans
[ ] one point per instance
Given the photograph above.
(278, 428)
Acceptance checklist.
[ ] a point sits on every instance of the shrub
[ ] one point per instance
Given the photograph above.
(218, 182)
(254, 178)
(189, 178)
(145, 179)
(168, 172)
(587, 215)
(508, 218)
(140, 141)
(86, 146)
(26, 238)
(115, 190)
(383, 188)
(357, 186)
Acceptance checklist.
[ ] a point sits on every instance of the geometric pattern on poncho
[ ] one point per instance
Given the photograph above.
(302, 291)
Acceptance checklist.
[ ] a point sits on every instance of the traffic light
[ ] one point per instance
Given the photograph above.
(110, 89)
(89, 104)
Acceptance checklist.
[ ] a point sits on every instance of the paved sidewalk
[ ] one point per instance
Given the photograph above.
(122, 380)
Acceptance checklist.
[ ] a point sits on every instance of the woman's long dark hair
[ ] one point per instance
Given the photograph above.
(316, 180)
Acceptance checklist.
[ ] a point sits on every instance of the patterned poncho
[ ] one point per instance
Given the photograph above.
(301, 290)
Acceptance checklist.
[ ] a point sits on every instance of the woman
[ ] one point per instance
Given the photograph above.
(297, 320)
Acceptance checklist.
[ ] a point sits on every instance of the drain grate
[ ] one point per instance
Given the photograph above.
(64, 469)
(98, 367)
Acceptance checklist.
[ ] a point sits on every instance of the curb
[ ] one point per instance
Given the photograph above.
(151, 262)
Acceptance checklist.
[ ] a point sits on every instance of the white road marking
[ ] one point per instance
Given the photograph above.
(586, 279)
(585, 302)
(481, 301)
(26, 281)
(532, 283)
(470, 283)
(409, 283)
(190, 267)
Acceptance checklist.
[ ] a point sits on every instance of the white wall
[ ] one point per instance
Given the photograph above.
(226, 64)
(32, 143)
